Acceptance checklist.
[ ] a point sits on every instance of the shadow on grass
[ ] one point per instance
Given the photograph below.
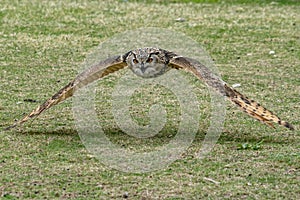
(280, 137)
(275, 136)
(27, 131)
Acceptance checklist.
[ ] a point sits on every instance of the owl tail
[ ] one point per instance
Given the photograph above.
(61, 95)
(254, 109)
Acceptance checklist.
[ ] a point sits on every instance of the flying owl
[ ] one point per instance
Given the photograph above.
(152, 62)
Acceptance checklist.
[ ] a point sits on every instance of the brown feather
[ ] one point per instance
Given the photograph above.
(254, 109)
(251, 107)
(97, 71)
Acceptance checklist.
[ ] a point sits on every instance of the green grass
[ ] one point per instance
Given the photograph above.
(261, 2)
(43, 43)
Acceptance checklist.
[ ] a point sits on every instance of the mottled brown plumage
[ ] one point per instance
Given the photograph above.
(254, 109)
(97, 71)
(247, 105)
(152, 62)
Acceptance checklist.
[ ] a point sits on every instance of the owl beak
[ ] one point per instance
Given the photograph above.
(143, 68)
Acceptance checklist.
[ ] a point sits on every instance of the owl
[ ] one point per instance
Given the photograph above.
(151, 62)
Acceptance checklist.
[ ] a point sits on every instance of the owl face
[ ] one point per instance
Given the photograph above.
(146, 63)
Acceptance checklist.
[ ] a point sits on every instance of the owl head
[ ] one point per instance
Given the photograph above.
(147, 62)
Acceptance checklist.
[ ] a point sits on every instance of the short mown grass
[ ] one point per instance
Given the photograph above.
(42, 46)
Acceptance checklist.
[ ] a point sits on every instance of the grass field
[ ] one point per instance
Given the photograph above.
(42, 45)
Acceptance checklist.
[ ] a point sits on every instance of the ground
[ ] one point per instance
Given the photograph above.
(255, 44)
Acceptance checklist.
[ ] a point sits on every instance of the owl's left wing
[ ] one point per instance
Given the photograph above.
(249, 106)
(198, 69)
(96, 72)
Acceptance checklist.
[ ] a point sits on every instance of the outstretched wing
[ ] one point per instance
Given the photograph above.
(249, 106)
(96, 72)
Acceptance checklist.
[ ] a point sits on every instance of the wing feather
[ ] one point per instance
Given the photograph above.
(200, 70)
(249, 106)
(95, 72)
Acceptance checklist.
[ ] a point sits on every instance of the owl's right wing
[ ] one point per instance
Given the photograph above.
(249, 106)
(96, 72)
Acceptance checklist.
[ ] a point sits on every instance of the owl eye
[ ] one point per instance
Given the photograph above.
(149, 60)
(135, 61)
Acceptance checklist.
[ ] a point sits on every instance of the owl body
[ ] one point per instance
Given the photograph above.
(151, 62)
